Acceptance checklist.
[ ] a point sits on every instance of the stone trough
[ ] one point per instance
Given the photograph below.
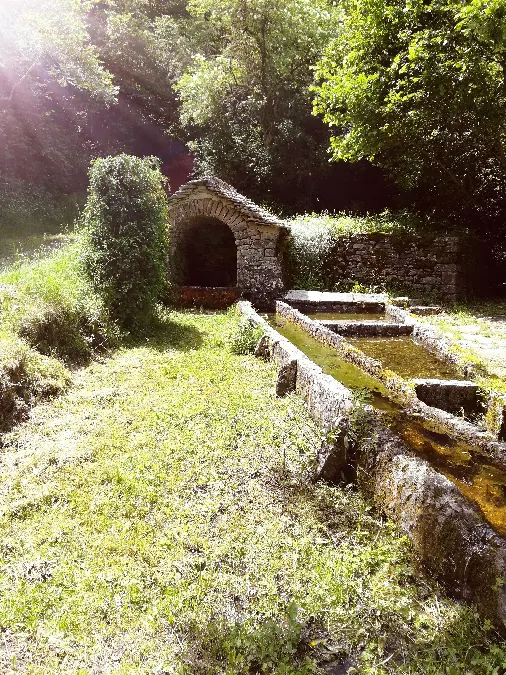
(451, 395)
(367, 328)
(316, 301)
(450, 530)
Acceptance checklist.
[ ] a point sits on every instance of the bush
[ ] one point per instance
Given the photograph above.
(125, 252)
(49, 302)
(25, 378)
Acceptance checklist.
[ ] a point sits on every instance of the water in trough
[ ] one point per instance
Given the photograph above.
(481, 483)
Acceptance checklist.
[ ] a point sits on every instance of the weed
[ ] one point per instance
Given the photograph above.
(245, 337)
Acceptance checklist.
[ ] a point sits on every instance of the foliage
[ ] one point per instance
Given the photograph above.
(48, 301)
(86, 79)
(37, 211)
(245, 99)
(419, 88)
(144, 45)
(245, 337)
(49, 72)
(53, 34)
(309, 251)
(148, 524)
(125, 246)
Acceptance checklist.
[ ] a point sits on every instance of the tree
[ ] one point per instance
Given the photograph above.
(50, 76)
(53, 35)
(245, 101)
(418, 87)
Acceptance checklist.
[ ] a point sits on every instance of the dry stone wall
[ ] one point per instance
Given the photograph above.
(418, 265)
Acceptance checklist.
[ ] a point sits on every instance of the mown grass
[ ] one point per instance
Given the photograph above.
(160, 518)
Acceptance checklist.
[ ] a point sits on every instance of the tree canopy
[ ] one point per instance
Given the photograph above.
(260, 91)
(245, 97)
(418, 87)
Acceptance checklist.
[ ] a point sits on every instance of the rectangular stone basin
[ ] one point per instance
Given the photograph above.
(350, 316)
(315, 301)
(368, 328)
(406, 358)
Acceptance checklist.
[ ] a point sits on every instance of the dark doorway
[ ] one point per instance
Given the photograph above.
(210, 254)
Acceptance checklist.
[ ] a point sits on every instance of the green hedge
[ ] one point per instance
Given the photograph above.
(125, 250)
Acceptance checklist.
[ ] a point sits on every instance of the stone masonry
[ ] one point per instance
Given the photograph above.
(419, 265)
(257, 233)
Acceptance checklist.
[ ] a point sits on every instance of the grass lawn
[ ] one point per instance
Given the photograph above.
(159, 517)
(478, 330)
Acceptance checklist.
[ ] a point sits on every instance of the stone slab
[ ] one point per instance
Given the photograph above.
(453, 396)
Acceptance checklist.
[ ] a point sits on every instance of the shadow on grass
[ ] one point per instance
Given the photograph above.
(166, 334)
(260, 645)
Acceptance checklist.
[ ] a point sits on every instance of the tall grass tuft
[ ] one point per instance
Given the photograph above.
(49, 303)
(26, 377)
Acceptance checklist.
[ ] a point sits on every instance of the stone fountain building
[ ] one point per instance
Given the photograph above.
(221, 239)
(225, 247)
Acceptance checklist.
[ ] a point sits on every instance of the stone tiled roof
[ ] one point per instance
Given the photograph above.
(225, 191)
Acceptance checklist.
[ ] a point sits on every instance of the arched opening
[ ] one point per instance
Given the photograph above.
(209, 254)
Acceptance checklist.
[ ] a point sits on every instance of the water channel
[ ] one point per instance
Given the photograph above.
(481, 483)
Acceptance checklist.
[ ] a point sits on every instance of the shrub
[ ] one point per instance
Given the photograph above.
(25, 378)
(245, 338)
(125, 252)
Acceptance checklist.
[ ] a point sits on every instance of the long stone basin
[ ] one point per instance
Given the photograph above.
(396, 462)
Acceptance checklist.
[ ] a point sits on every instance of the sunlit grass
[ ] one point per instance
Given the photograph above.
(48, 301)
(160, 518)
(23, 248)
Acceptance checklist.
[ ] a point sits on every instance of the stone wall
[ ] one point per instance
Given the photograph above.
(413, 264)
